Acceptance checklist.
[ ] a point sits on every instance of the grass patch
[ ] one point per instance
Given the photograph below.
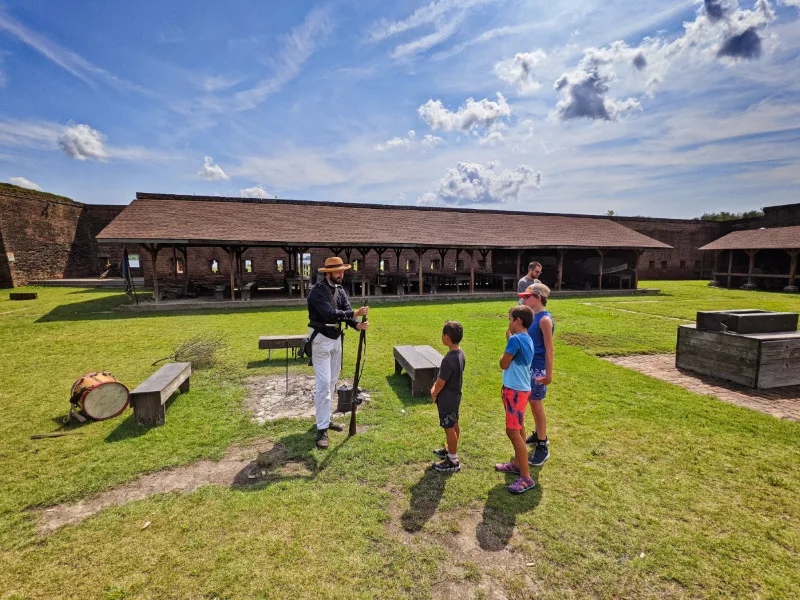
(651, 492)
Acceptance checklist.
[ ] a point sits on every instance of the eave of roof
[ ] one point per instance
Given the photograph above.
(256, 222)
(774, 238)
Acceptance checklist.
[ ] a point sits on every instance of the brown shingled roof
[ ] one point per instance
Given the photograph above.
(219, 221)
(758, 239)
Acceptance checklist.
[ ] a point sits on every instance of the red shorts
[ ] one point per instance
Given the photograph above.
(515, 402)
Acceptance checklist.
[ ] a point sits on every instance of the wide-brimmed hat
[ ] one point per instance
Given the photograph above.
(334, 264)
(538, 289)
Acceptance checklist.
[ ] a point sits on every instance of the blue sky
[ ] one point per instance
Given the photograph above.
(661, 108)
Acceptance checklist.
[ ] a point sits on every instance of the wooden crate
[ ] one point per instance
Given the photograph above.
(757, 360)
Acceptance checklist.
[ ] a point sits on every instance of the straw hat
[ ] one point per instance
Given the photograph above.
(334, 264)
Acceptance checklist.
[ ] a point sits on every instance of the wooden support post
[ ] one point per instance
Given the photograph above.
(600, 276)
(152, 250)
(420, 252)
(792, 287)
(472, 271)
(302, 250)
(185, 251)
(560, 269)
(398, 252)
(636, 269)
(752, 254)
(519, 258)
(232, 256)
(730, 266)
(364, 253)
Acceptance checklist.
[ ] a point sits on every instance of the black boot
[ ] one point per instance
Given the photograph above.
(322, 439)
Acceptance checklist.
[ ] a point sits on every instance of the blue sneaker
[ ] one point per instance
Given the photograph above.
(540, 454)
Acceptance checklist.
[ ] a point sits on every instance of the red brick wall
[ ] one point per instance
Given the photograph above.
(264, 263)
(50, 237)
(685, 237)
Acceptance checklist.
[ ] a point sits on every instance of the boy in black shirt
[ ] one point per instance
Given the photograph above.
(446, 393)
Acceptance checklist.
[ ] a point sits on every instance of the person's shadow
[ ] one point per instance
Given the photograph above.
(425, 497)
(500, 514)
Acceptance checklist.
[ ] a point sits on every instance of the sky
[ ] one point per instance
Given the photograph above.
(661, 108)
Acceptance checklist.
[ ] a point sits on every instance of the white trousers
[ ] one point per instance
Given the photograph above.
(326, 356)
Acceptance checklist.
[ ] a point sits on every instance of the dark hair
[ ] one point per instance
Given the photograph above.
(454, 331)
(523, 313)
(544, 300)
(533, 265)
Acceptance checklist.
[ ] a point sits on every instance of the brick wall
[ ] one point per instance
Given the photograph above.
(264, 263)
(684, 261)
(49, 236)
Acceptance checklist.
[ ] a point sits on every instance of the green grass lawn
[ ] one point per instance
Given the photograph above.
(651, 491)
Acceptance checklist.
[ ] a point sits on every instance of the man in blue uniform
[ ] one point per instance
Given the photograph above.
(328, 308)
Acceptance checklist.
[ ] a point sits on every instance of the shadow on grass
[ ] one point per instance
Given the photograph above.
(401, 385)
(104, 309)
(501, 511)
(277, 362)
(129, 429)
(425, 497)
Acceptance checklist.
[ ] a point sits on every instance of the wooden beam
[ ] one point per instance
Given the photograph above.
(420, 252)
(302, 250)
(232, 260)
(636, 269)
(471, 270)
(560, 269)
(152, 250)
(600, 276)
(792, 287)
(398, 252)
(751, 267)
(185, 251)
(519, 259)
(730, 266)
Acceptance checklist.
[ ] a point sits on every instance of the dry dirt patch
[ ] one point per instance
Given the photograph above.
(270, 397)
(485, 556)
(241, 466)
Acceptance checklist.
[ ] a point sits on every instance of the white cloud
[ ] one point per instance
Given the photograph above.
(80, 142)
(66, 59)
(789, 3)
(395, 142)
(519, 71)
(296, 49)
(445, 16)
(720, 31)
(473, 183)
(25, 183)
(493, 138)
(257, 191)
(471, 115)
(431, 141)
(211, 172)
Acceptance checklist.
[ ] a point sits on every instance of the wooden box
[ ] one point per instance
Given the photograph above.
(757, 360)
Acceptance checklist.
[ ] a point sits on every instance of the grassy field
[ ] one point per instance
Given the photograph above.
(651, 491)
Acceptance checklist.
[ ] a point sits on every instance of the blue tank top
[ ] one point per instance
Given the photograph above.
(539, 361)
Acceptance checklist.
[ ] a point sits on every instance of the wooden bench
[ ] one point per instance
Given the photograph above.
(422, 365)
(277, 342)
(149, 397)
(23, 296)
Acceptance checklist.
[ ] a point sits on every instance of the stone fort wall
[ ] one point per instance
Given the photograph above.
(44, 236)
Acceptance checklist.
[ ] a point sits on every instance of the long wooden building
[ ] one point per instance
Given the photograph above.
(213, 241)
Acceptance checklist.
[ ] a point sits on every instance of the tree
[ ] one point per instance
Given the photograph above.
(610, 213)
(729, 216)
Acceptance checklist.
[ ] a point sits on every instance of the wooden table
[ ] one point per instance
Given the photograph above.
(277, 342)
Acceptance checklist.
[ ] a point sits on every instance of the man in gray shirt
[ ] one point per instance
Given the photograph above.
(534, 270)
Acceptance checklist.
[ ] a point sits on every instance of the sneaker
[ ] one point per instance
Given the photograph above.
(322, 439)
(532, 439)
(335, 426)
(540, 454)
(447, 466)
(522, 485)
(441, 453)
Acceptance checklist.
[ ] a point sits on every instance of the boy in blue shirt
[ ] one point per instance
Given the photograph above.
(516, 365)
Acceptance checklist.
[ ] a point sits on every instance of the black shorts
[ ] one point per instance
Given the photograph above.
(448, 413)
